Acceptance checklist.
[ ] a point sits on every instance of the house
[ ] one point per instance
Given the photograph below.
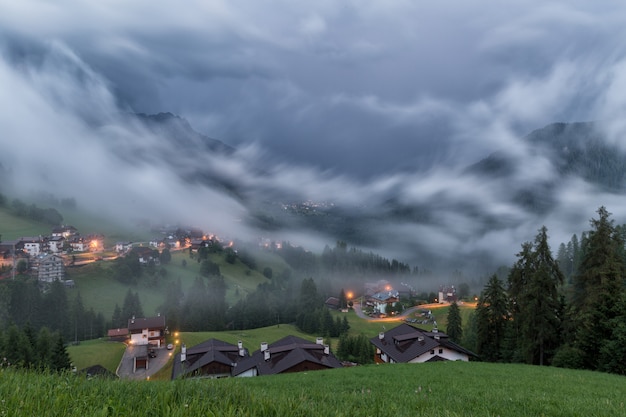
(30, 245)
(78, 244)
(118, 335)
(289, 354)
(123, 246)
(55, 244)
(64, 231)
(146, 255)
(156, 243)
(332, 303)
(212, 358)
(409, 344)
(147, 331)
(447, 294)
(380, 300)
(49, 268)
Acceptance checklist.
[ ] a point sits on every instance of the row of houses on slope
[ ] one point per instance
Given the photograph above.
(214, 358)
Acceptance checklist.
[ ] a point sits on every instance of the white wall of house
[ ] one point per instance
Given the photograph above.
(146, 337)
(139, 338)
(33, 248)
(55, 245)
(451, 355)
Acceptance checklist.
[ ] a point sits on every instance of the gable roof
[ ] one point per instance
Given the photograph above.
(405, 343)
(285, 354)
(209, 351)
(117, 332)
(157, 322)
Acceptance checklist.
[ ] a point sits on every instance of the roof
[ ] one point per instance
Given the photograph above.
(97, 370)
(117, 332)
(285, 354)
(157, 322)
(386, 295)
(209, 351)
(405, 343)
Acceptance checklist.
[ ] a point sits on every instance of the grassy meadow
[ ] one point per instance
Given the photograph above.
(100, 290)
(13, 227)
(430, 389)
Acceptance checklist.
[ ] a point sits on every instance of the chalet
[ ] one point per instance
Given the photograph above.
(123, 246)
(198, 243)
(408, 344)
(447, 294)
(289, 354)
(55, 244)
(49, 268)
(78, 244)
(147, 331)
(118, 335)
(146, 255)
(380, 300)
(157, 243)
(332, 303)
(31, 245)
(6, 250)
(212, 358)
(64, 231)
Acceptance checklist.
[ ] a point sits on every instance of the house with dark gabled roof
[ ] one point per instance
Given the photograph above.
(147, 331)
(409, 344)
(212, 358)
(289, 354)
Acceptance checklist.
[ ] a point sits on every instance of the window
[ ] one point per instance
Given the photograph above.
(432, 352)
(440, 350)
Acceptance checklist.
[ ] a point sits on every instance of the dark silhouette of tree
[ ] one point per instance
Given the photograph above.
(534, 283)
(491, 318)
(165, 257)
(454, 329)
(59, 358)
(598, 291)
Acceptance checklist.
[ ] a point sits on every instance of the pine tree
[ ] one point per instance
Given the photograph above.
(454, 328)
(542, 322)
(491, 318)
(60, 359)
(598, 289)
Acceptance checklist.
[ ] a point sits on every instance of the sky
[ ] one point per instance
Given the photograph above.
(348, 101)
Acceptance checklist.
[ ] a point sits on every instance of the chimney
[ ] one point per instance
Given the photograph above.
(183, 353)
(381, 335)
(436, 337)
(242, 351)
(263, 346)
(266, 354)
(420, 338)
(435, 330)
(319, 340)
(326, 350)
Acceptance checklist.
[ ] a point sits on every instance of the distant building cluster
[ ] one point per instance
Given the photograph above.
(43, 254)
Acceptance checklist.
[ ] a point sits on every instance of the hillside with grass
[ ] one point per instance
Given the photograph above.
(431, 389)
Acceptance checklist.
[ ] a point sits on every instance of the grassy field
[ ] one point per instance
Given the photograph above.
(97, 352)
(12, 227)
(431, 389)
(101, 291)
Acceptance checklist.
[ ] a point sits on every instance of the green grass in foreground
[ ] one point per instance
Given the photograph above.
(431, 389)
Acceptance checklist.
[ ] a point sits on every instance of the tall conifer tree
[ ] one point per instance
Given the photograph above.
(598, 289)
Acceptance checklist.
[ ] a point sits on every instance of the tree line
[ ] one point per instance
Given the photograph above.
(539, 317)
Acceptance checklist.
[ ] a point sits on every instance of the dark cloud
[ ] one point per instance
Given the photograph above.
(349, 102)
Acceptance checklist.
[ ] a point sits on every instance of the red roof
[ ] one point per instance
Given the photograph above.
(117, 332)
